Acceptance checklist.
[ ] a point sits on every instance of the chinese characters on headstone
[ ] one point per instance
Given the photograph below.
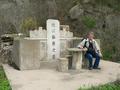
(53, 36)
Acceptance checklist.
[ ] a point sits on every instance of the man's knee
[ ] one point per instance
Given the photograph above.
(89, 56)
(97, 56)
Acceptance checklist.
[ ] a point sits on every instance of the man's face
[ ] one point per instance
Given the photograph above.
(91, 36)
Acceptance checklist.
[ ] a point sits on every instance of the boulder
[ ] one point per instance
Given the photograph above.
(76, 12)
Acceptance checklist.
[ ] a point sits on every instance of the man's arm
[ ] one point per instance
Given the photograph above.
(81, 44)
(98, 48)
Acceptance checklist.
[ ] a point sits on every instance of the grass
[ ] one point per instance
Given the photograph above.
(110, 86)
(107, 55)
(4, 83)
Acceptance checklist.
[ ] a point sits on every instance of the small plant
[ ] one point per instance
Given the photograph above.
(107, 55)
(109, 52)
(28, 24)
(89, 22)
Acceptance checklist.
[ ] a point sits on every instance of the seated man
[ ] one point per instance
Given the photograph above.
(93, 50)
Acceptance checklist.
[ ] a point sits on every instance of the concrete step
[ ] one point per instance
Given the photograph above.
(49, 64)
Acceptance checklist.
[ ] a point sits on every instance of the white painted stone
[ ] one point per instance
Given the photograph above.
(40, 33)
(40, 28)
(53, 39)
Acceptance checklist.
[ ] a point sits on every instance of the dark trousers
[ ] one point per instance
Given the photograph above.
(90, 57)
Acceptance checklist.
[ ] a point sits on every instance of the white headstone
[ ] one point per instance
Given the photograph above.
(53, 39)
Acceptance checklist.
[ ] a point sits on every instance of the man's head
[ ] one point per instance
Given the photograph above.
(90, 35)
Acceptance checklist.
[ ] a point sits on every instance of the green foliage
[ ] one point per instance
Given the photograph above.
(89, 22)
(28, 24)
(107, 55)
(4, 83)
(109, 52)
(110, 86)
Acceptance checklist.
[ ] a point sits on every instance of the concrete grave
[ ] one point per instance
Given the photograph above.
(36, 51)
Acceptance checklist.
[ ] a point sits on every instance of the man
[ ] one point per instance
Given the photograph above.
(93, 50)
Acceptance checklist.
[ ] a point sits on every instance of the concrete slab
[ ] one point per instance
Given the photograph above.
(45, 79)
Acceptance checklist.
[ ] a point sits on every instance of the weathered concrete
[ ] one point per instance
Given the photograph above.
(29, 53)
(77, 57)
(63, 64)
(26, 54)
(47, 79)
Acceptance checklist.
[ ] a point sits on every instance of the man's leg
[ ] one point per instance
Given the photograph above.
(97, 60)
(90, 58)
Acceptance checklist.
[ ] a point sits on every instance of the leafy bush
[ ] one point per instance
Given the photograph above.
(110, 52)
(107, 55)
(89, 22)
(28, 24)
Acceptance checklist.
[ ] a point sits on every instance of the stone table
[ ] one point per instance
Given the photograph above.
(77, 57)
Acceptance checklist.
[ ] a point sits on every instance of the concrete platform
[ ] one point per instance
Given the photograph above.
(45, 79)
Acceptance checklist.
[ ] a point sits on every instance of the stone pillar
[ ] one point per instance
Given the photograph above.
(77, 60)
(63, 64)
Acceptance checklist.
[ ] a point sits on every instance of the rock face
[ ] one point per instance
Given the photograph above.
(76, 12)
(106, 26)
(15, 11)
(105, 18)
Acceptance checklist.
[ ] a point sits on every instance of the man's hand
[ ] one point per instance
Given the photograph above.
(100, 54)
(80, 47)
(85, 49)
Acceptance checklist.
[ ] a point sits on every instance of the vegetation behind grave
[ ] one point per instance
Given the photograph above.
(28, 24)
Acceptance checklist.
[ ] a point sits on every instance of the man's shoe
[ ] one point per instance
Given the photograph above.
(90, 68)
(97, 68)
